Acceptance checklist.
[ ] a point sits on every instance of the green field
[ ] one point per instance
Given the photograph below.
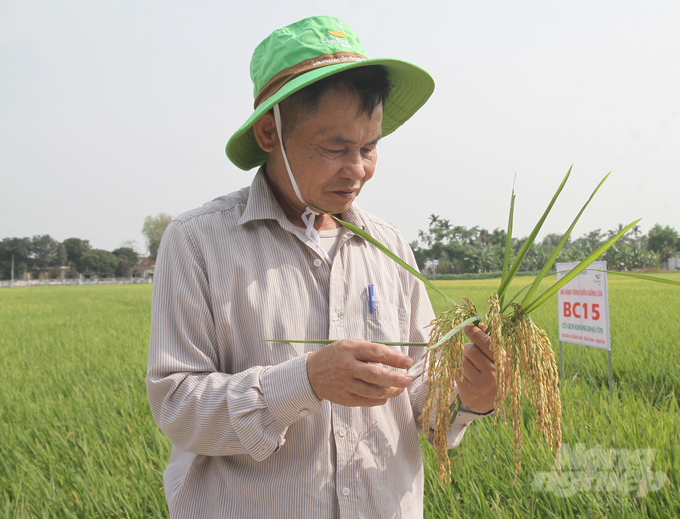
(77, 438)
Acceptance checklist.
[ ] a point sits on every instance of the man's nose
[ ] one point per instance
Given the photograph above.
(355, 165)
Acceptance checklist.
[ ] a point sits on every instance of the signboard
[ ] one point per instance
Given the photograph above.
(582, 306)
(435, 262)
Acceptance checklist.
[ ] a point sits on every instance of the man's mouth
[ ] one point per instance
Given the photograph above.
(347, 191)
(347, 195)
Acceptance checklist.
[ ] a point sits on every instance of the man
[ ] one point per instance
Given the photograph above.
(279, 429)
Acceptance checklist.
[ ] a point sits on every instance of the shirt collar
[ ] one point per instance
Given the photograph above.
(262, 205)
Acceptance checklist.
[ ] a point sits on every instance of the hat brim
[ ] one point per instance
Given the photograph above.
(411, 88)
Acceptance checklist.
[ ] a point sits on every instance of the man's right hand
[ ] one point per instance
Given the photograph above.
(349, 373)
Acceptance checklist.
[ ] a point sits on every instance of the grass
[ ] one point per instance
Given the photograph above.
(77, 438)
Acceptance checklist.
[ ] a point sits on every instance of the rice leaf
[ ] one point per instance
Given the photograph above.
(454, 331)
(416, 344)
(370, 239)
(558, 249)
(578, 269)
(639, 276)
(530, 240)
(504, 308)
(508, 242)
(455, 407)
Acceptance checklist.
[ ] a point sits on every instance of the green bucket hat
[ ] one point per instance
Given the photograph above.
(309, 50)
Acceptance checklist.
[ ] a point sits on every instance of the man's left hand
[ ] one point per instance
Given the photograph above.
(477, 390)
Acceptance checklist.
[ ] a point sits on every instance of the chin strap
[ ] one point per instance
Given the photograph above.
(309, 215)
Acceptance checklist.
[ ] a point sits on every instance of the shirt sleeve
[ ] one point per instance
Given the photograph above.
(201, 409)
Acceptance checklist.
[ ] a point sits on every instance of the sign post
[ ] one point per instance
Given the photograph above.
(583, 310)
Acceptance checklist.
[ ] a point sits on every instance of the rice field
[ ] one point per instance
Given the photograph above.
(77, 438)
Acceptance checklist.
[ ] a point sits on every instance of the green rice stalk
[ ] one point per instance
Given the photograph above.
(639, 276)
(391, 255)
(508, 242)
(530, 240)
(548, 264)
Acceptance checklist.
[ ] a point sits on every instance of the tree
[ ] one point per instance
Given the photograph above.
(480, 258)
(75, 250)
(20, 250)
(465, 235)
(483, 237)
(47, 253)
(153, 230)
(127, 258)
(425, 238)
(662, 238)
(130, 244)
(636, 231)
(99, 262)
(591, 241)
(440, 230)
(554, 239)
(419, 254)
(461, 250)
(498, 238)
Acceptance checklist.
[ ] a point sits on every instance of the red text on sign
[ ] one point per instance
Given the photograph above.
(579, 310)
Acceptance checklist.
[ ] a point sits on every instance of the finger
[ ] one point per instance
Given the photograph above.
(478, 382)
(377, 375)
(480, 338)
(475, 378)
(478, 358)
(374, 352)
(469, 369)
(363, 389)
(466, 370)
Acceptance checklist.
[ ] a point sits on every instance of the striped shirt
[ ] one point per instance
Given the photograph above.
(250, 438)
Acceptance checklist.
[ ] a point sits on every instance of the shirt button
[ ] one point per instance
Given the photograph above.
(317, 262)
(335, 317)
(304, 412)
(345, 491)
(342, 432)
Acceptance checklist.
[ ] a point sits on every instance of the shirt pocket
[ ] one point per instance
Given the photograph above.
(387, 322)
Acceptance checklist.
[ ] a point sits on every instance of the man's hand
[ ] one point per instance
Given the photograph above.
(478, 389)
(343, 373)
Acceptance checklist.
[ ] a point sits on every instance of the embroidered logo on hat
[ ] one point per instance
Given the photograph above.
(338, 34)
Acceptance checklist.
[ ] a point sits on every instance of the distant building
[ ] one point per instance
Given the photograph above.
(144, 268)
(58, 273)
(671, 264)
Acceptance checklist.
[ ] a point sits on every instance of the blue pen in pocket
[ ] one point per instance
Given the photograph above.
(371, 298)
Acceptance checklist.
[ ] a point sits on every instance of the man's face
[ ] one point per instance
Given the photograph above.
(332, 154)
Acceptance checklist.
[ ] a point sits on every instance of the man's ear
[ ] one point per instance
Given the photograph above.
(265, 132)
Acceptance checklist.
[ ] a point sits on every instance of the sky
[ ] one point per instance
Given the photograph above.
(114, 111)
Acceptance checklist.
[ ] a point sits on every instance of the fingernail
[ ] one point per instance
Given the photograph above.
(408, 379)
